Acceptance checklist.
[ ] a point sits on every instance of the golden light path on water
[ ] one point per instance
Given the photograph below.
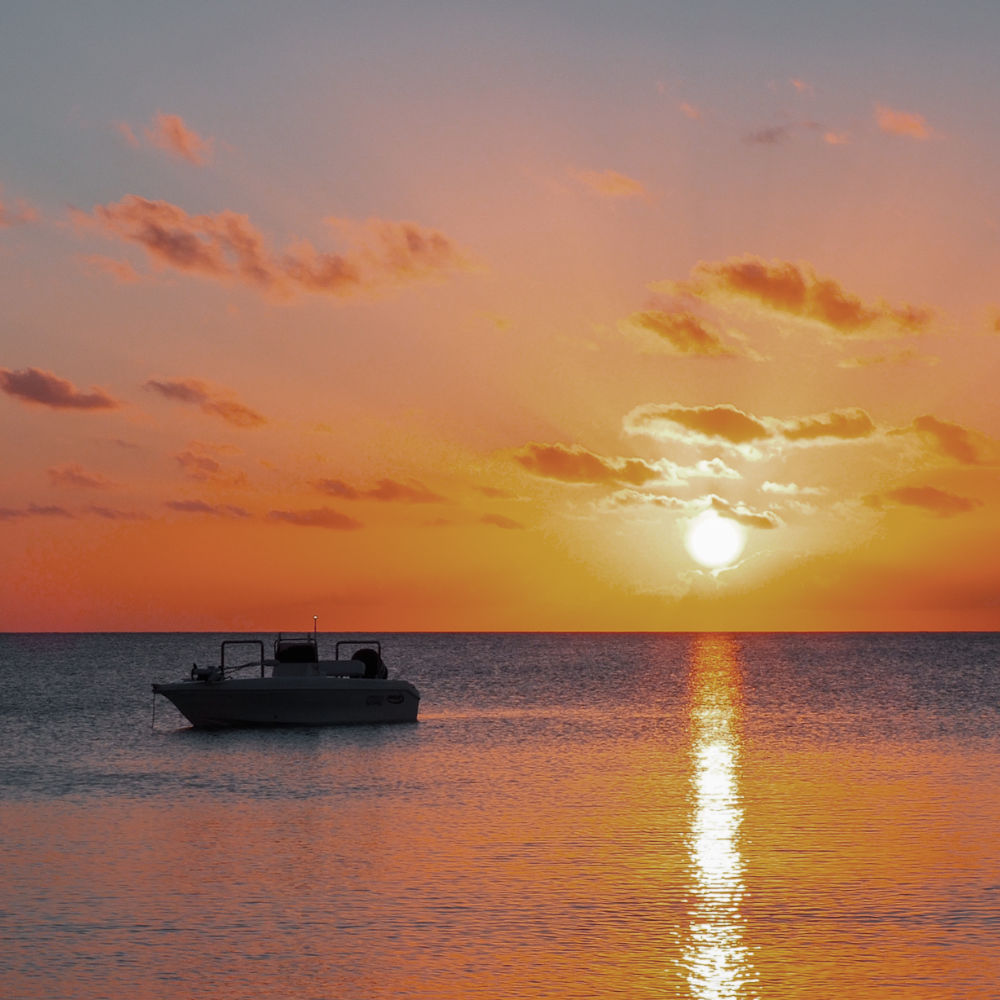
(717, 962)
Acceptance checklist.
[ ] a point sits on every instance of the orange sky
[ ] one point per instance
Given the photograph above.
(456, 320)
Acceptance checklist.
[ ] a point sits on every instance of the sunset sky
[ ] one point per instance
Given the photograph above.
(455, 316)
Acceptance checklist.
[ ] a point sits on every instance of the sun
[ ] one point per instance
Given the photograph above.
(714, 541)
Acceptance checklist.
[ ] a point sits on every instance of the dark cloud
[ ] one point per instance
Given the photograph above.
(74, 476)
(386, 490)
(201, 507)
(217, 403)
(322, 517)
(35, 386)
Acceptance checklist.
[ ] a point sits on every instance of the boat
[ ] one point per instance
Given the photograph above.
(293, 686)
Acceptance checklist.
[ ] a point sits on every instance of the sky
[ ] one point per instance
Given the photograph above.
(462, 316)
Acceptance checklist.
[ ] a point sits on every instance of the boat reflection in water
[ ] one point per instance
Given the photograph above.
(717, 962)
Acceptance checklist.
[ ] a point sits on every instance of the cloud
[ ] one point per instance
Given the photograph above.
(574, 464)
(321, 517)
(74, 476)
(950, 439)
(227, 247)
(169, 132)
(905, 123)
(33, 510)
(682, 332)
(791, 489)
(926, 498)
(110, 514)
(769, 136)
(731, 427)
(386, 490)
(43, 388)
(742, 514)
(796, 290)
(906, 357)
(499, 521)
(844, 425)
(211, 401)
(197, 464)
(610, 183)
(689, 110)
(18, 213)
(201, 507)
(120, 270)
(697, 424)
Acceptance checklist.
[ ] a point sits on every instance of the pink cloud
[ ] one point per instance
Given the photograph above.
(17, 213)
(43, 388)
(905, 123)
(226, 246)
(168, 132)
(610, 183)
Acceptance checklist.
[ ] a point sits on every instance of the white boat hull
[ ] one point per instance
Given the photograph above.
(292, 701)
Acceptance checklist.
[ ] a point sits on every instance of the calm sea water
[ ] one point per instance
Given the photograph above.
(575, 816)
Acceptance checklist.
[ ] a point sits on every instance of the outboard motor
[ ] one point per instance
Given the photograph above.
(206, 674)
(374, 667)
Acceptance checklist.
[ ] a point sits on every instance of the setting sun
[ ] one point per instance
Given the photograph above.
(714, 541)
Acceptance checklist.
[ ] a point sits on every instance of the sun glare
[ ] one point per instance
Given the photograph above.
(713, 540)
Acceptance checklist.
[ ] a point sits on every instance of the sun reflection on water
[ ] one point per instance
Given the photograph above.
(716, 959)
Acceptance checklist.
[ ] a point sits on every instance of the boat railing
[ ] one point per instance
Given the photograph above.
(259, 662)
(370, 643)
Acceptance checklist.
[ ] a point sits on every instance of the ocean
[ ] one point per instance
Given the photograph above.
(574, 816)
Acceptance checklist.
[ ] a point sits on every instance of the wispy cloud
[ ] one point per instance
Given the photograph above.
(226, 246)
(16, 213)
(386, 490)
(216, 402)
(904, 123)
(111, 514)
(203, 507)
(170, 133)
(199, 464)
(499, 521)
(33, 510)
(75, 477)
(42, 388)
(321, 517)
(796, 290)
(926, 498)
(610, 183)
